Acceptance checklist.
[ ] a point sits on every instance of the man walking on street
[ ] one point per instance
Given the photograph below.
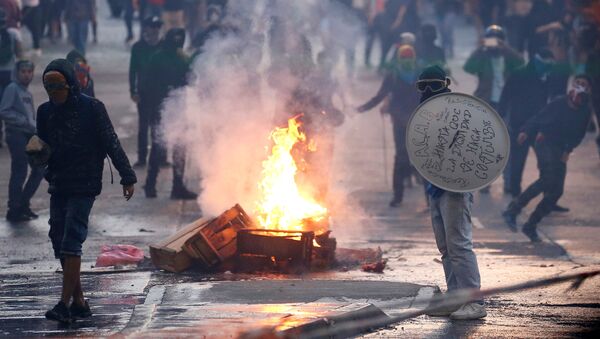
(141, 52)
(79, 134)
(492, 63)
(523, 96)
(398, 85)
(10, 50)
(16, 109)
(556, 130)
(451, 220)
(79, 14)
(168, 68)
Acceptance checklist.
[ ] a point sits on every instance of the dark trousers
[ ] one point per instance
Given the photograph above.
(158, 153)
(143, 129)
(78, 34)
(551, 183)
(21, 188)
(401, 161)
(32, 18)
(513, 173)
(128, 17)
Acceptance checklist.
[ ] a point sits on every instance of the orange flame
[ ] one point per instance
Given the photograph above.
(283, 205)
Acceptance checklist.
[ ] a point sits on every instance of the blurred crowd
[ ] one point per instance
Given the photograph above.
(528, 54)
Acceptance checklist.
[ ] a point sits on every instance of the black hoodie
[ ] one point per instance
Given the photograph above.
(166, 70)
(80, 135)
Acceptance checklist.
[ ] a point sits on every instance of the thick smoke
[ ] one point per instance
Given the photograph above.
(241, 85)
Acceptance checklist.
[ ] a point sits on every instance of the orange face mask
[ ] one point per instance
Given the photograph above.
(56, 86)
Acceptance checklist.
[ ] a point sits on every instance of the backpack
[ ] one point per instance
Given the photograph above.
(7, 48)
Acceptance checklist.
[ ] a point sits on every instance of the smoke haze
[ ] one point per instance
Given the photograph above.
(239, 88)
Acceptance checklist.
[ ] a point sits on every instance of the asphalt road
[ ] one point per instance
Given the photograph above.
(126, 302)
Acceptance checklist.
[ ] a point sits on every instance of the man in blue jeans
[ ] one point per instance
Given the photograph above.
(79, 14)
(451, 221)
(16, 109)
(80, 135)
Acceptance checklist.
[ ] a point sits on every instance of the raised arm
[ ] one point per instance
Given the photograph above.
(384, 90)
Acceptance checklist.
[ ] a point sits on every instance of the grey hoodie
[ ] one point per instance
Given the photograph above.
(16, 108)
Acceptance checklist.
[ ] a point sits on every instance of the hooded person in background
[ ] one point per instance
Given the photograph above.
(523, 96)
(168, 70)
(141, 52)
(80, 135)
(556, 131)
(16, 109)
(82, 72)
(399, 86)
(451, 221)
(428, 53)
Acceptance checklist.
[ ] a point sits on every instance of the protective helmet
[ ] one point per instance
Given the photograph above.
(495, 31)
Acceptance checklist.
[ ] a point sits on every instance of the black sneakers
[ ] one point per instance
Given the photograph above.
(511, 220)
(150, 192)
(16, 216)
(60, 312)
(396, 202)
(80, 312)
(183, 193)
(531, 232)
(29, 213)
(560, 209)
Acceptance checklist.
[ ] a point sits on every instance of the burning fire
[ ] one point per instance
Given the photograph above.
(283, 205)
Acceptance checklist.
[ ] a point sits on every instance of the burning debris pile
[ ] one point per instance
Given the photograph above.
(290, 232)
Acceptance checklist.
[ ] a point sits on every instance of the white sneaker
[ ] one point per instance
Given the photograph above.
(443, 311)
(469, 311)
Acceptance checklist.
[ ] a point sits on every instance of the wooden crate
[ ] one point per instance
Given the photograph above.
(216, 242)
(169, 254)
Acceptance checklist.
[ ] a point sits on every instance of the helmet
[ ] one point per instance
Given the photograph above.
(495, 31)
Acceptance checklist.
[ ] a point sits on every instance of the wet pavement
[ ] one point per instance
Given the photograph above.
(141, 303)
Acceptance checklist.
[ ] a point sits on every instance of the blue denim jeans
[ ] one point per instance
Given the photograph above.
(451, 220)
(69, 217)
(20, 188)
(78, 34)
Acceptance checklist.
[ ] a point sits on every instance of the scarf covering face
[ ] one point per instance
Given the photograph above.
(56, 86)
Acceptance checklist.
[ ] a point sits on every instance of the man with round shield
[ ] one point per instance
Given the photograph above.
(450, 217)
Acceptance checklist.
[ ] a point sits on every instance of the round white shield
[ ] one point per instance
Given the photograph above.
(457, 142)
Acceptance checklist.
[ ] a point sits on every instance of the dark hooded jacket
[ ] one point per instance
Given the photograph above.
(80, 135)
(167, 70)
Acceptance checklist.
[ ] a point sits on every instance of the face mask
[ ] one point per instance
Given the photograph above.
(56, 86)
(579, 96)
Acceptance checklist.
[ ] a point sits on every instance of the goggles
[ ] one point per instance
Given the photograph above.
(55, 86)
(435, 85)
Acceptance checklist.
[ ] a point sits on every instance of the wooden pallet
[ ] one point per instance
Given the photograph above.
(216, 241)
(169, 254)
